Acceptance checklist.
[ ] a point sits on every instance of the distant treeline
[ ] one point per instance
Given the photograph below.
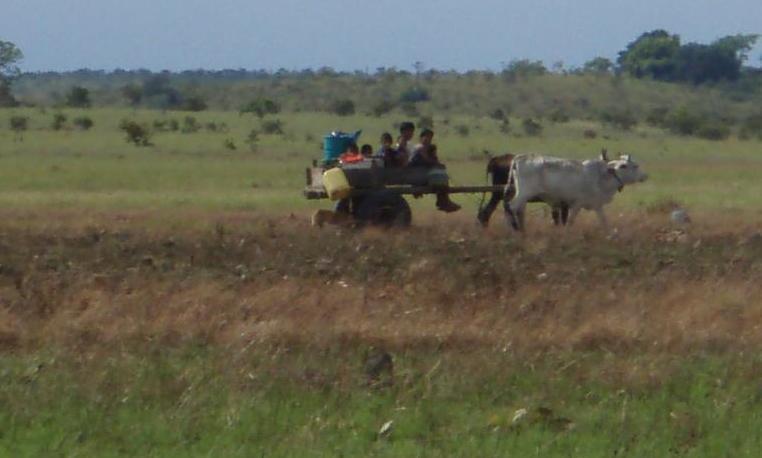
(656, 79)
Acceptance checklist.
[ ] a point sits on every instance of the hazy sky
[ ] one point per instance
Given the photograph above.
(348, 35)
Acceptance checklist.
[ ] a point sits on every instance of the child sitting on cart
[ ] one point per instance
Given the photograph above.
(425, 155)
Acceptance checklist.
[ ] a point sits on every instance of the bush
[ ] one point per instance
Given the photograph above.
(622, 119)
(713, 131)
(261, 107)
(381, 108)
(658, 116)
(559, 116)
(18, 125)
(190, 125)
(137, 134)
(589, 133)
(78, 97)
(752, 126)
(426, 122)
(252, 140)
(194, 103)
(59, 121)
(229, 144)
(684, 122)
(343, 107)
(462, 130)
(271, 127)
(531, 127)
(83, 123)
(415, 94)
(498, 115)
(505, 126)
(409, 109)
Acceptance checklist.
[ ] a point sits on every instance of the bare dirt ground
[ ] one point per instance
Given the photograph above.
(85, 281)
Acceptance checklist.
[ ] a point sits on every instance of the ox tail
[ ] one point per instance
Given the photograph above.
(512, 188)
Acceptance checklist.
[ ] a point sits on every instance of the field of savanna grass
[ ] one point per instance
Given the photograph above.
(173, 300)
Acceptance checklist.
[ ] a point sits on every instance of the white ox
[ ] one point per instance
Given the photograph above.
(589, 184)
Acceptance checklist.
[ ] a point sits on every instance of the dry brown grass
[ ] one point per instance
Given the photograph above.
(242, 280)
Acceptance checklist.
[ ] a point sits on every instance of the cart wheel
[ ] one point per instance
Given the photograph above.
(384, 209)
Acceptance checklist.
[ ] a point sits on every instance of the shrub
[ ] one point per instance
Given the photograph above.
(272, 127)
(505, 126)
(83, 123)
(498, 115)
(426, 122)
(211, 126)
(174, 125)
(381, 108)
(752, 126)
(462, 130)
(229, 144)
(415, 94)
(531, 127)
(18, 125)
(343, 107)
(194, 103)
(59, 121)
(78, 97)
(658, 116)
(409, 109)
(713, 131)
(589, 133)
(559, 116)
(252, 140)
(261, 107)
(190, 125)
(684, 122)
(137, 134)
(622, 119)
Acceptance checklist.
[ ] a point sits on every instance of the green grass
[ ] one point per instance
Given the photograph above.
(98, 169)
(195, 402)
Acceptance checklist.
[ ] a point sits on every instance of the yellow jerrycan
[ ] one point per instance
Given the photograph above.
(336, 184)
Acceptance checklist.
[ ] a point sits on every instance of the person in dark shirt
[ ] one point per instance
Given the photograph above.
(425, 155)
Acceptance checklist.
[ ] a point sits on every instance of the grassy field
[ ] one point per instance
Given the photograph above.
(173, 301)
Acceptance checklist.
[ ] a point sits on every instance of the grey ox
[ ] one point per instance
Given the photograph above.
(589, 184)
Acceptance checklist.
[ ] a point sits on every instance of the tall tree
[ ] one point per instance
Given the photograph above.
(10, 55)
(651, 55)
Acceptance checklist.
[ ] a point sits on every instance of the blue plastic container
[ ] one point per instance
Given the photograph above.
(336, 143)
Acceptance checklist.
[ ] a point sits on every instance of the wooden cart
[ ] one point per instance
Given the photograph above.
(377, 196)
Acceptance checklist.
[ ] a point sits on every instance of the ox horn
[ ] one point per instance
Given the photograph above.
(604, 155)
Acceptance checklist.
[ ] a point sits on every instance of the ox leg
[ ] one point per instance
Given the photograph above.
(486, 212)
(514, 211)
(564, 214)
(602, 218)
(555, 213)
(574, 211)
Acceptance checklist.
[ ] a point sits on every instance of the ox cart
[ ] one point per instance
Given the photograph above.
(378, 194)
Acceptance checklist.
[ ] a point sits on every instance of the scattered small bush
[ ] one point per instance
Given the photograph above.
(382, 107)
(621, 119)
(343, 107)
(498, 115)
(137, 134)
(194, 103)
(657, 117)
(589, 133)
(462, 130)
(505, 126)
(426, 122)
(59, 121)
(78, 97)
(190, 125)
(683, 122)
(260, 107)
(752, 126)
(713, 131)
(83, 123)
(229, 144)
(409, 109)
(272, 127)
(415, 94)
(531, 127)
(18, 125)
(558, 116)
(252, 140)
